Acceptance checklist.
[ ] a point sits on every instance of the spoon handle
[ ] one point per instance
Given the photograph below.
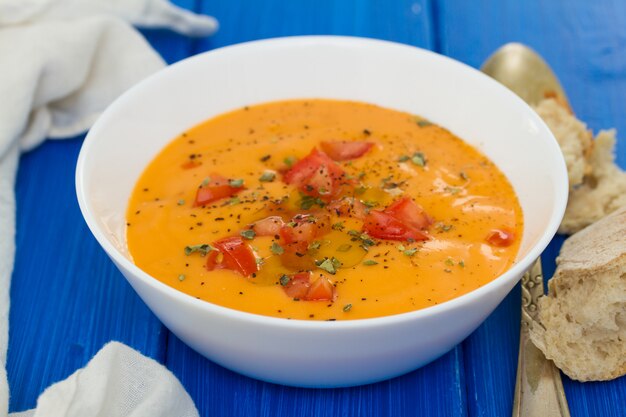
(538, 388)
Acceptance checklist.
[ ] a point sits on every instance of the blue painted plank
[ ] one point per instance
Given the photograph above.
(437, 389)
(583, 41)
(406, 21)
(67, 298)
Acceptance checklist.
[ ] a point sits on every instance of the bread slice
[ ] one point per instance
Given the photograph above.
(603, 190)
(583, 319)
(573, 137)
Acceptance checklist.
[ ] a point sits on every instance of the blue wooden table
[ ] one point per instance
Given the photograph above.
(68, 299)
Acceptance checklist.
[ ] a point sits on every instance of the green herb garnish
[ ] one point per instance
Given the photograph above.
(181, 202)
(277, 249)
(205, 182)
(248, 234)
(370, 262)
(410, 252)
(236, 183)
(338, 226)
(267, 176)
(424, 123)
(329, 265)
(418, 159)
(403, 158)
(289, 161)
(203, 249)
(284, 280)
(344, 247)
(308, 202)
(315, 245)
(181, 277)
(347, 308)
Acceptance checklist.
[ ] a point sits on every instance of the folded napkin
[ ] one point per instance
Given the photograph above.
(63, 62)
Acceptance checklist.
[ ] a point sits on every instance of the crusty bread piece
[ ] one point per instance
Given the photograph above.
(583, 319)
(597, 184)
(602, 192)
(572, 135)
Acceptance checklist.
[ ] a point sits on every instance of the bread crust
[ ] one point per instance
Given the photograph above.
(582, 321)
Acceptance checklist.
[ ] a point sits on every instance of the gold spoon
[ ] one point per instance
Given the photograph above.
(538, 387)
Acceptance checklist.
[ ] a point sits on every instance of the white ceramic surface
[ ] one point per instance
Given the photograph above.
(308, 353)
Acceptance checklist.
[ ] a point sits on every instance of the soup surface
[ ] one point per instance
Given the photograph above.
(322, 210)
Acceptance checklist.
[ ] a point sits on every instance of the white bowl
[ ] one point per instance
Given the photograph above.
(308, 353)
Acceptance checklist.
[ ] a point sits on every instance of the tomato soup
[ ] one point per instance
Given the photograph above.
(323, 210)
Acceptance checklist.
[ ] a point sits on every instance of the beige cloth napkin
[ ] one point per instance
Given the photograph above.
(61, 63)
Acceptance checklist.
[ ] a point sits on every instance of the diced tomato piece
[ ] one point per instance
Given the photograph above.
(269, 226)
(343, 151)
(384, 226)
(348, 207)
(500, 237)
(192, 163)
(234, 254)
(317, 175)
(409, 212)
(298, 285)
(217, 188)
(301, 287)
(321, 290)
(305, 228)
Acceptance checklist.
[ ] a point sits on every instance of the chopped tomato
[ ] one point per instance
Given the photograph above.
(298, 285)
(192, 163)
(317, 175)
(269, 226)
(234, 254)
(217, 188)
(409, 212)
(321, 290)
(500, 237)
(305, 228)
(348, 207)
(301, 287)
(343, 151)
(381, 225)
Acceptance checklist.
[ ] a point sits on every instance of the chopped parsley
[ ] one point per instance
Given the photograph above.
(315, 245)
(277, 249)
(329, 265)
(344, 247)
(289, 161)
(233, 201)
(338, 226)
(248, 234)
(424, 123)
(449, 262)
(267, 176)
(410, 252)
(205, 182)
(284, 280)
(347, 308)
(236, 183)
(308, 202)
(418, 159)
(202, 249)
(403, 158)
(370, 262)
(181, 277)
(181, 202)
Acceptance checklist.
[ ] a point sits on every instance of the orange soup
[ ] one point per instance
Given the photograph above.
(323, 210)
